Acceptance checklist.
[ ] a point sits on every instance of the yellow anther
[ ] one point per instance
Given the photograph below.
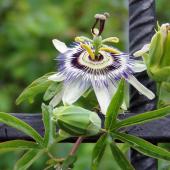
(111, 39)
(110, 50)
(89, 50)
(79, 39)
(82, 39)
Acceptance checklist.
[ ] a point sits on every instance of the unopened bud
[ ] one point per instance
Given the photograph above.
(77, 121)
(157, 54)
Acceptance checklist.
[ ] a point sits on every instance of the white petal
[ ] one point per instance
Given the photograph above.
(74, 90)
(138, 67)
(60, 46)
(103, 97)
(111, 89)
(124, 105)
(142, 89)
(56, 77)
(56, 99)
(144, 49)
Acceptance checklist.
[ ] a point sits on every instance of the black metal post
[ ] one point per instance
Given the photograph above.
(141, 29)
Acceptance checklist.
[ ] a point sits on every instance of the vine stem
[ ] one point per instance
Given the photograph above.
(76, 145)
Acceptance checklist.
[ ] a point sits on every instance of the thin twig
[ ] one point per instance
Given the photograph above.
(76, 145)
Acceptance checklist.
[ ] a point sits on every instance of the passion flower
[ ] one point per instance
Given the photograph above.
(91, 63)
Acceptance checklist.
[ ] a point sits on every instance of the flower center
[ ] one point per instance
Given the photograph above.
(103, 60)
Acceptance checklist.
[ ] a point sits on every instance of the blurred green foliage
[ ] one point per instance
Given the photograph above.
(26, 30)
(26, 52)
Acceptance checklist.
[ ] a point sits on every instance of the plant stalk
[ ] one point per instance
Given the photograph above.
(76, 145)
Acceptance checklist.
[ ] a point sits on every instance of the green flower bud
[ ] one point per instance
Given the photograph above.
(77, 121)
(157, 54)
(157, 58)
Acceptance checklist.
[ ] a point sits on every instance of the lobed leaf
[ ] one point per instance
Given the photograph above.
(144, 117)
(143, 146)
(52, 90)
(114, 106)
(121, 160)
(36, 87)
(98, 151)
(20, 125)
(50, 128)
(70, 160)
(28, 159)
(18, 145)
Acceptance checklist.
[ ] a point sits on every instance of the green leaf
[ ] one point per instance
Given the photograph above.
(144, 117)
(49, 124)
(28, 159)
(20, 125)
(143, 146)
(114, 106)
(52, 90)
(98, 151)
(18, 145)
(36, 87)
(121, 160)
(70, 160)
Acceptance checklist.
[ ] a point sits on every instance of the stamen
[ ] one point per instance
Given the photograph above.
(79, 39)
(111, 50)
(82, 39)
(111, 40)
(89, 50)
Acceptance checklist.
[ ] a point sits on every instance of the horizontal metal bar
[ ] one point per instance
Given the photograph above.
(155, 131)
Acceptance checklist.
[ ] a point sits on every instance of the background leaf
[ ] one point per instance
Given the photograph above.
(36, 87)
(53, 89)
(50, 128)
(28, 159)
(114, 106)
(69, 162)
(18, 145)
(20, 125)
